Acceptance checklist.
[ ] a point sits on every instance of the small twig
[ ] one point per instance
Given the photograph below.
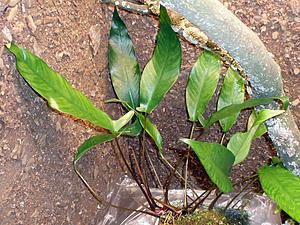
(222, 139)
(240, 199)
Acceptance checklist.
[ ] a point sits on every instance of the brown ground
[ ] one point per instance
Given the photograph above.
(37, 183)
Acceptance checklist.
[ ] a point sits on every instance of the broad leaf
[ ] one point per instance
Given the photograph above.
(56, 90)
(132, 130)
(163, 69)
(262, 129)
(232, 92)
(202, 84)
(217, 161)
(240, 143)
(118, 124)
(92, 142)
(229, 110)
(152, 130)
(282, 187)
(124, 69)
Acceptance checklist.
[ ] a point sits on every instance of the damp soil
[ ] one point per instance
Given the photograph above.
(37, 181)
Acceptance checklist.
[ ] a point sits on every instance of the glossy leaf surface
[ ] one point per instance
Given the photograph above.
(152, 130)
(232, 92)
(262, 128)
(202, 84)
(118, 124)
(229, 110)
(282, 187)
(92, 142)
(163, 69)
(123, 66)
(56, 90)
(217, 161)
(240, 143)
(132, 130)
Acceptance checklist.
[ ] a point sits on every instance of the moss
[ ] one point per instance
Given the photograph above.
(200, 217)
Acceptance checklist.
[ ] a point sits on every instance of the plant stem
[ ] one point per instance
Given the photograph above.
(222, 139)
(212, 204)
(187, 166)
(154, 171)
(201, 201)
(145, 192)
(103, 201)
(238, 194)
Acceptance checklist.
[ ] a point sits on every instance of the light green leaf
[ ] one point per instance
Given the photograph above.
(282, 187)
(240, 143)
(202, 84)
(152, 130)
(262, 129)
(132, 130)
(234, 108)
(124, 69)
(56, 90)
(232, 92)
(216, 160)
(92, 142)
(118, 124)
(163, 69)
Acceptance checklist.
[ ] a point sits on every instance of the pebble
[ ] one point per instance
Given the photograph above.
(31, 24)
(275, 35)
(7, 34)
(296, 102)
(296, 71)
(95, 35)
(12, 13)
(36, 48)
(12, 3)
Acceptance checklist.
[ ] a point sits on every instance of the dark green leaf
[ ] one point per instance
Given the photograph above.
(282, 187)
(163, 69)
(262, 128)
(232, 92)
(124, 69)
(202, 84)
(152, 130)
(56, 90)
(92, 142)
(217, 161)
(229, 110)
(240, 143)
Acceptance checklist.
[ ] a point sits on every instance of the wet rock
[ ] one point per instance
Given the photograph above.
(95, 35)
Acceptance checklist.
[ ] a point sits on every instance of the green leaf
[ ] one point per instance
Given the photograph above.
(92, 142)
(240, 143)
(118, 124)
(123, 67)
(152, 130)
(282, 187)
(262, 129)
(232, 92)
(132, 130)
(234, 108)
(56, 90)
(217, 161)
(163, 69)
(202, 84)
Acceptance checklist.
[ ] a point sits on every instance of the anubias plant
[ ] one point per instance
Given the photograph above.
(141, 92)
